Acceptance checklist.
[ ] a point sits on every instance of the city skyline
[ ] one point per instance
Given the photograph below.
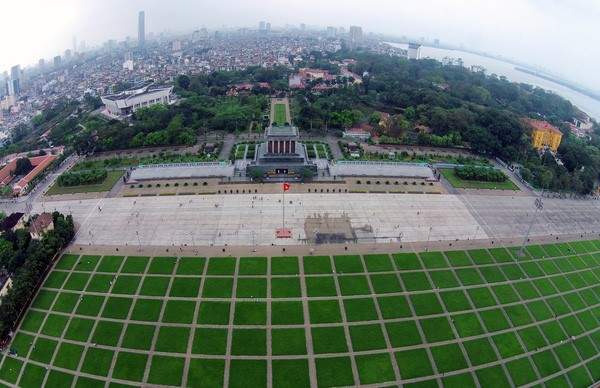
(537, 33)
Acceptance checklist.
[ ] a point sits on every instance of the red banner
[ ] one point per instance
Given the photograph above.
(286, 187)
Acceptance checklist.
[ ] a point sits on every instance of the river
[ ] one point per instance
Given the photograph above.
(495, 66)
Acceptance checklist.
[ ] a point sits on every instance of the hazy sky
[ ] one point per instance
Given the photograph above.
(561, 35)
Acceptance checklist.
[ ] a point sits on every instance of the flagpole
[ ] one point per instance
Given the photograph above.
(283, 217)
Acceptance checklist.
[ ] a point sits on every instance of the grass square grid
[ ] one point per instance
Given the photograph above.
(284, 265)
(206, 373)
(135, 264)
(221, 266)
(147, 310)
(367, 337)
(481, 297)
(492, 377)
(481, 256)
(480, 351)
(561, 283)
(375, 368)
(214, 313)
(100, 283)
(443, 279)
(59, 379)
(532, 338)
(334, 372)
(459, 380)
(571, 325)
(513, 271)
(317, 265)
(33, 376)
(518, 315)
(55, 279)
(126, 284)
(354, 285)
(436, 329)
(217, 288)
(500, 255)
(549, 267)
(433, 260)
(415, 281)
(467, 325)
(378, 263)
(469, 276)
(448, 358)
(54, 325)
(284, 287)
(291, 373)
(251, 288)
(545, 286)
(97, 361)
(324, 311)
(492, 274)
(117, 308)
(44, 299)
(107, 333)
(458, 258)
(552, 250)
(588, 320)
(329, 339)
(76, 281)
(162, 265)
(87, 263)
(249, 342)
(191, 266)
(348, 264)
(526, 290)
(536, 251)
(360, 309)
(521, 371)
(68, 356)
(532, 269)
(32, 321)
(210, 341)
(553, 332)
(165, 370)
(394, 307)
(187, 287)
(579, 377)
(138, 336)
(172, 339)
(66, 262)
(43, 350)
(455, 300)
(11, 370)
(287, 313)
(564, 264)
(578, 247)
(567, 354)
(79, 329)
(558, 306)
(426, 304)
(494, 320)
(22, 343)
(288, 342)
(320, 286)
(252, 266)
(406, 261)
(130, 366)
(86, 382)
(508, 345)
(248, 373)
(539, 310)
(155, 286)
(546, 363)
(505, 293)
(585, 347)
(90, 305)
(413, 363)
(404, 333)
(65, 302)
(110, 264)
(250, 313)
(179, 311)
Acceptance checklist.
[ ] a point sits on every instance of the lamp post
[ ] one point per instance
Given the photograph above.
(428, 236)
(375, 238)
(193, 242)
(92, 238)
(538, 206)
(475, 235)
(253, 240)
(137, 233)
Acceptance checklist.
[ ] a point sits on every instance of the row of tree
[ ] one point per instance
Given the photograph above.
(90, 177)
(27, 261)
(481, 174)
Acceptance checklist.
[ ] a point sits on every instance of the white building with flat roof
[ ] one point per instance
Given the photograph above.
(128, 101)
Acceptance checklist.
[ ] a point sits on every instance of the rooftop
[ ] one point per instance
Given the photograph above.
(543, 126)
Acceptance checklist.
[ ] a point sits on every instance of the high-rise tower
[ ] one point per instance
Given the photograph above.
(141, 30)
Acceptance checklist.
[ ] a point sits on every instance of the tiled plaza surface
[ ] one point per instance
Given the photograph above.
(457, 318)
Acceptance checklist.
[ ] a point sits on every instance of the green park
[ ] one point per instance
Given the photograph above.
(488, 317)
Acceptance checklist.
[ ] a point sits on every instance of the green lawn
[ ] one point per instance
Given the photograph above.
(109, 182)
(280, 114)
(157, 309)
(455, 181)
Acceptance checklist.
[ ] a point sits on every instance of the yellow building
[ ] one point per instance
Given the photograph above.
(545, 135)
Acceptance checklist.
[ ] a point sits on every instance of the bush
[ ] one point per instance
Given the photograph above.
(204, 183)
(149, 185)
(358, 182)
(82, 178)
(195, 183)
(140, 185)
(185, 184)
(176, 184)
(368, 182)
(470, 173)
(167, 184)
(131, 187)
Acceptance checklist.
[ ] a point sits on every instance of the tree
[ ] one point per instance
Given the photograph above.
(183, 81)
(23, 166)
(256, 174)
(306, 174)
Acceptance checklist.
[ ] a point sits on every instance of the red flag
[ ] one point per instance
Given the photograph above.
(286, 187)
